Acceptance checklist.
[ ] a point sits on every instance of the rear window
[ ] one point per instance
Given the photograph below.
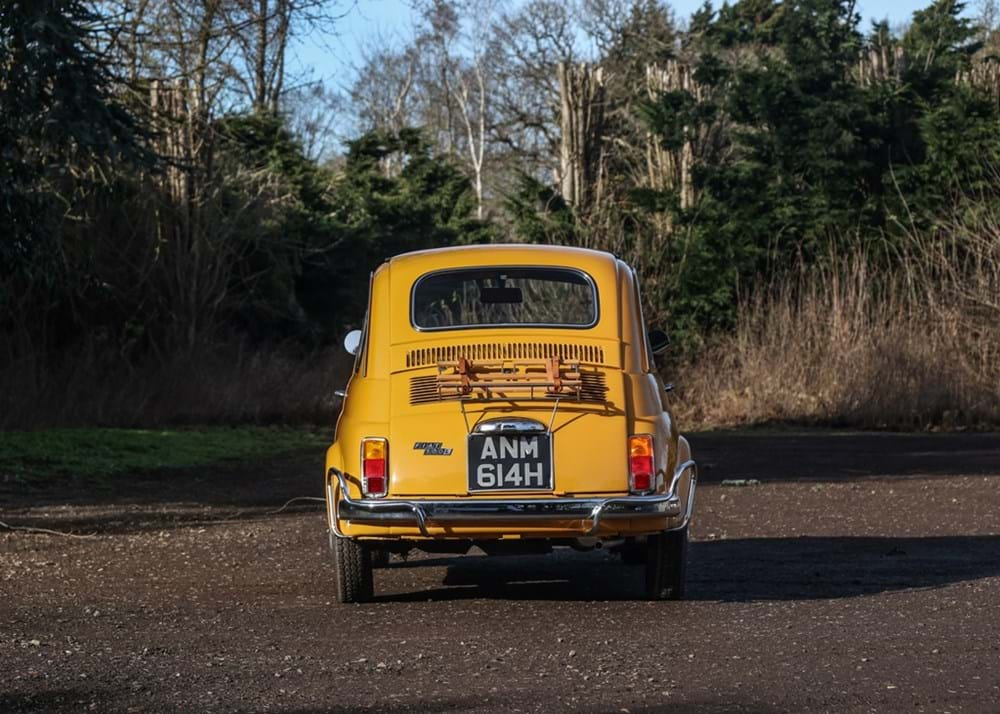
(494, 297)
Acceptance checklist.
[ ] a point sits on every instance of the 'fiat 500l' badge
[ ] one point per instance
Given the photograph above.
(432, 448)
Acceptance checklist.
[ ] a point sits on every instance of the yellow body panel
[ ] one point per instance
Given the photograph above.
(589, 440)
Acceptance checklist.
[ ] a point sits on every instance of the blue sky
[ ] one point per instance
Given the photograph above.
(368, 21)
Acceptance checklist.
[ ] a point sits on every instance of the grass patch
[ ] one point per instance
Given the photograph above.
(29, 456)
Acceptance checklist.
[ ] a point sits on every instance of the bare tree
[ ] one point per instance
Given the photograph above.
(454, 41)
(233, 51)
(261, 30)
(437, 38)
(383, 90)
(191, 61)
(480, 83)
(471, 93)
(527, 47)
(313, 112)
(988, 16)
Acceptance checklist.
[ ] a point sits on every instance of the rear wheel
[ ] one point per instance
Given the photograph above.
(353, 561)
(666, 565)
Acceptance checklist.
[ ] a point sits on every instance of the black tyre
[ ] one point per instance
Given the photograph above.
(353, 561)
(666, 565)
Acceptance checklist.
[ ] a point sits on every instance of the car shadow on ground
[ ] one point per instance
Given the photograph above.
(749, 569)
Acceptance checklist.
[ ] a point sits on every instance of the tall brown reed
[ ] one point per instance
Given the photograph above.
(851, 344)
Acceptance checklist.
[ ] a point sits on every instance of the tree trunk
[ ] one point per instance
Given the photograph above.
(260, 58)
(581, 94)
(670, 169)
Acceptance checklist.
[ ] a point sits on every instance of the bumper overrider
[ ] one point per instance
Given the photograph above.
(471, 511)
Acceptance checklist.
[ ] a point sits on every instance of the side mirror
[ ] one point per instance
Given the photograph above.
(352, 342)
(659, 341)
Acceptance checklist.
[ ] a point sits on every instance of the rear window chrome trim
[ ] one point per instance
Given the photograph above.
(506, 325)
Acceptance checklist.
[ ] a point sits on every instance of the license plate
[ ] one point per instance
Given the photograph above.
(510, 462)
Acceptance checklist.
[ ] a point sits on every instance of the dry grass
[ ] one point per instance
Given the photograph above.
(224, 385)
(844, 346)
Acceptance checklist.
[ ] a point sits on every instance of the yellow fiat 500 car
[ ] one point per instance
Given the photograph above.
(505, 396)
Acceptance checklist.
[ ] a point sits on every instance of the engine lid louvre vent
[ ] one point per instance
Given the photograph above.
(422, 357)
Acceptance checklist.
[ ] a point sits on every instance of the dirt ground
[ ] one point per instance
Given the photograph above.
(861, 575)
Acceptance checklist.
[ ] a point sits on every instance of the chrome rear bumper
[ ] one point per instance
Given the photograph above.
(388, 511)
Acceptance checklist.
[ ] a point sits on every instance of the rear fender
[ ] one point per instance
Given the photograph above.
(683, 450)
(334, 460)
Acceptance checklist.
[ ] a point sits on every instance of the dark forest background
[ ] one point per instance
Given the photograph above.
(813, 205)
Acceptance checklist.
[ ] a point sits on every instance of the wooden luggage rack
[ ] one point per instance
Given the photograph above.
(528, 379)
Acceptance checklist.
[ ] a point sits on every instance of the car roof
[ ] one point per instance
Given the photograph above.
(422, 260)
(394, 280)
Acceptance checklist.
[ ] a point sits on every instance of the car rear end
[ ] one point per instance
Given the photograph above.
(504, 394)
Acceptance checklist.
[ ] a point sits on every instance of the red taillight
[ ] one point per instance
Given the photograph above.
(374, 467)
(642, 476)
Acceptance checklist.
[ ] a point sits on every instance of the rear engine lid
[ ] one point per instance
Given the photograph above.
(440, 446)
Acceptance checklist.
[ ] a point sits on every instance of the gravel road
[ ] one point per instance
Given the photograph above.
(861, 575)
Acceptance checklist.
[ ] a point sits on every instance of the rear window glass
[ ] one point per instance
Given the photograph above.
(479, 297)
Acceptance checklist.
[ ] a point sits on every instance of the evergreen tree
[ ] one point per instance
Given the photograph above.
(796, 166)
(817, 154)
(954, 127)
(61, 126)
(392, 196)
